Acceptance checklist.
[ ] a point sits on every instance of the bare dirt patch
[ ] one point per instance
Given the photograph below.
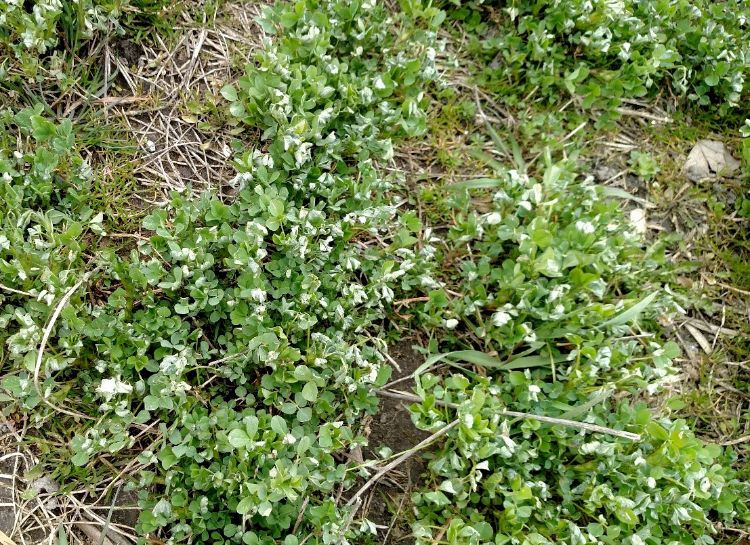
(389, 505)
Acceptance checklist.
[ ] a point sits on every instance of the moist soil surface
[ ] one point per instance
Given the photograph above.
(7, 513)
(389, 505)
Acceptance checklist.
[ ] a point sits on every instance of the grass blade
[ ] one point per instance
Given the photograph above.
(485, 360)
(476, 183)
(633, 312)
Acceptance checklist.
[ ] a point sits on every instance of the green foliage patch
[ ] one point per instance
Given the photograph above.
(607, 51)
(239, 328)
(232, 354)
(551, 280)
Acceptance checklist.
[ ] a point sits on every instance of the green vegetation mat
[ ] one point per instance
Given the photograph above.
(500, 184)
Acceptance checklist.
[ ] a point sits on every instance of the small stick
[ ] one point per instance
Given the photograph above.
(93, 533)
(395, 517)
(548, 419)
(19, 292)
(737, 441)
(45, 337)
(347, 523)
(401, 459)
(402, 302)
(301, 515)
(644, 115)
(711, 328)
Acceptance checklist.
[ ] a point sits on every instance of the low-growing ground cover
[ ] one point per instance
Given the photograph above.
(399, 172)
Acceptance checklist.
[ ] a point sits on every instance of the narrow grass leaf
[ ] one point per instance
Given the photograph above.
(633, 312)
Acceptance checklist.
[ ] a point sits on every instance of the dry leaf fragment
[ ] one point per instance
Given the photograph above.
(638, 220)
(708, 159)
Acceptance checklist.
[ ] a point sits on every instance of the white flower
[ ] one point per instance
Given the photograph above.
(379, 83)
(588, 448)
(258, 294)
(451, 323)
(534, 391)
(585, 227)
(302, 155)
(110, 387)
(325, 116)
(537, 192)
(28, 38)
(387, 294)
(552, 266)
(557, 292)
(500, 318)
(635, 539)
(265, 160)
(174, 364)
(312, 33)
(493, 218)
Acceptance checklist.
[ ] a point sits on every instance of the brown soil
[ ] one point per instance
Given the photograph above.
(389, 503)
(7, 513)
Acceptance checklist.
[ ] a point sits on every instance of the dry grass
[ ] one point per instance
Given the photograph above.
(714, 330)
(179, 148)
(34, 510)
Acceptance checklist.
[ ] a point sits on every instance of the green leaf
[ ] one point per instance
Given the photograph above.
(62, 536)
(278, 424)
(584, 408)
(310, 392)
(471, 356)
(237, 109)
(229, 93)
(626, 515)
(238, 438)
(485, 360)
(80, 459)
(265, 508)
(616, 192)
(529, 362)
(633, 312)
(245, 504)
(167, 457)
(42, 129)
(304, 414)
(151, 403)
(276, 208)
(476, 183)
